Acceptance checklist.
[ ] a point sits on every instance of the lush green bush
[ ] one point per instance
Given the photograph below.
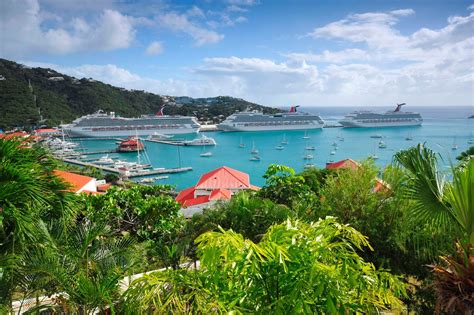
(296, 268)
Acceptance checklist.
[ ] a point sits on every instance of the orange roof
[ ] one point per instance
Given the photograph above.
(76, 181)
(196, 201)
(47, 130)
(224, 177)
(380, 185)
(104, 187)
(219, 194)
(185, 194)
(16, 134)
(347, 163)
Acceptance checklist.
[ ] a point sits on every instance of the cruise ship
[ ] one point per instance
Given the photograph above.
(101, 124)
(395, 118)
(257, 121)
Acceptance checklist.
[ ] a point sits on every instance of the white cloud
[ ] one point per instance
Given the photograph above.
(155, 48)
(373, 28)
(327, 56)
(23, 32)
(182, 23)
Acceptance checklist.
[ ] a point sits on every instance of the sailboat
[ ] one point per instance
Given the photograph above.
(205, 154)
(241, 144)
(254, 149)
(382, 144)
(408, 138)
(255, 158)
(455, 146)
(284, 140)
(306, 135)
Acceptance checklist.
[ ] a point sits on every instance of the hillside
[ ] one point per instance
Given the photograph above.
(26, 92)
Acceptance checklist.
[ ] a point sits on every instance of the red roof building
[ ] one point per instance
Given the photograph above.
(347, 163)
(78, 183)
(219, 184)
(380, 185)
(46, 132)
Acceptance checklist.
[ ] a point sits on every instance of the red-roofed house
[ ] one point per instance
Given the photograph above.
(353, 165)
(219, 184)
(78, 183)
(347, 163)
(16, 134)
(46, 132)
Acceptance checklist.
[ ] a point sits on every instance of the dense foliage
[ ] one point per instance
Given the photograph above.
(296, 268)
(26, 90)
(264, 251)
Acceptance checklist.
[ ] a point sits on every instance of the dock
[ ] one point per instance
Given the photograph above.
(131, 174)
(169, 142)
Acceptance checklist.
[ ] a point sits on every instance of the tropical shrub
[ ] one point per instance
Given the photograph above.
(246, 214)
(296, 268)
(448, 205)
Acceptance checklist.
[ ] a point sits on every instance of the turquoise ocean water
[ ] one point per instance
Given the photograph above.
(442, 127)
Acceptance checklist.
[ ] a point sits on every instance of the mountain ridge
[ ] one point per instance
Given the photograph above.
(33, 96)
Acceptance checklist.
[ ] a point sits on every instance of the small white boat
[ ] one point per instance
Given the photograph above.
(308, 157)
(241, 144)
(279, 147)
(374, 156)
(333, 153)
(470, 141)
(310, 148)
(376, 136)
(309, 165)
(254, 149)
(382, 144)
(202, 141)
(334, 144)
(284, 140)
(306, 135)
(206, 154)
(255, 158)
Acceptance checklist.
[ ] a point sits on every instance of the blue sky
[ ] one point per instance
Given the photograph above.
(313, 53)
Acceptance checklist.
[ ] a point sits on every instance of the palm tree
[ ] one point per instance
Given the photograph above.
(446, 204)
(31, 198)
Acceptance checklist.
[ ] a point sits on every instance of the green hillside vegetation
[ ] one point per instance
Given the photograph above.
(64, 98)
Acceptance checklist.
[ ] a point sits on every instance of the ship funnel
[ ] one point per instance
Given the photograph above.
(399, 107)
(160, 113)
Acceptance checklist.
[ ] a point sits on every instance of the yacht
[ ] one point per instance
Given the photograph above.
(255, 158)
(206, 154)
(279, 147)
(395, 118)
(104, 160)
(376, 136)
(310, 148)
(257, 121)
(202, 141)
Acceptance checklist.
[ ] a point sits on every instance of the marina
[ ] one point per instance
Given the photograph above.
(131, 174)
(440, 130)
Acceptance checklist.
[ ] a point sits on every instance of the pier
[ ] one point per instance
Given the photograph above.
(131, 174)
(169, 142)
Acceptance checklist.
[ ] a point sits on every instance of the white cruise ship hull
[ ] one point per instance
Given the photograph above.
(358, 124)
(236, 127)
(89, 133)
